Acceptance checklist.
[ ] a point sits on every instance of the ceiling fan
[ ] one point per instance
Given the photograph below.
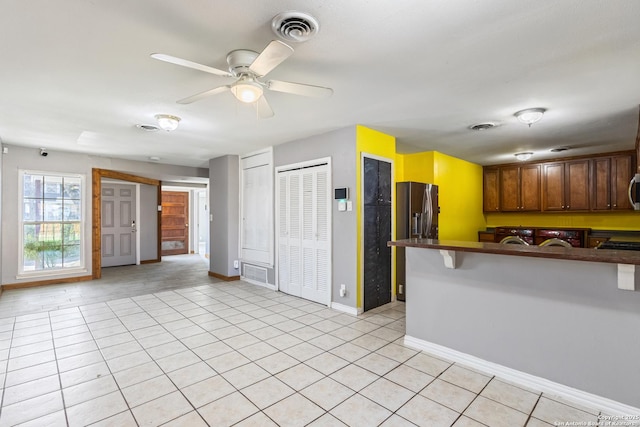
(248, 68)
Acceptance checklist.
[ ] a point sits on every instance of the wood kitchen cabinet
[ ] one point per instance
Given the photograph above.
(491, 190)
(565, 186)
(610, 181)
(621, 173)
(586, 183)
(520, 188)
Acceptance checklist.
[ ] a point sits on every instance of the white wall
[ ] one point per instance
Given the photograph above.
(562, 320)
(224, 206)
(29, 158)
(341, 147)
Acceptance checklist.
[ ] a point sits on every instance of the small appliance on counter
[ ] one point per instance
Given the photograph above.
(416, 217)
(624, 243)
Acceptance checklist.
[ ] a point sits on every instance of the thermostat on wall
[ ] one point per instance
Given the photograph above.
(341, 193)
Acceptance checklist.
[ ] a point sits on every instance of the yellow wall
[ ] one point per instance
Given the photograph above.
(596, 221)
(417, 167)
(378, 144)
(460, 191)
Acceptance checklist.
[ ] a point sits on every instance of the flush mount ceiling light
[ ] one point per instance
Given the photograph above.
(167, 122)
(530, 115)
(247, 90)
(523, 156)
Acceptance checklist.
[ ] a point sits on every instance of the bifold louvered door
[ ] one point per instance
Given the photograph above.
(304, 208)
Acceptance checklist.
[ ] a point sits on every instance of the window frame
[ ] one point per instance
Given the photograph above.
(61, 271)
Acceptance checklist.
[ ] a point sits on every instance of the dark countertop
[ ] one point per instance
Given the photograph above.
(554, 252)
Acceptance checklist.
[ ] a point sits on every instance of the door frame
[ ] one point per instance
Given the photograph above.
(295, 166)
(363, 155)
(96, 213)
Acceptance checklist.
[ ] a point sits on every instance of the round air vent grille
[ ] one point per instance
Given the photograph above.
(295, 26)
(482, 126)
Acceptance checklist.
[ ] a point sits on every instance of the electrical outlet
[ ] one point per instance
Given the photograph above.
(236, 264)
(343, 290)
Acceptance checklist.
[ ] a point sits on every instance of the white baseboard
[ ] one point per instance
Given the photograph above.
(344, 308)
(255, 282)
(580, 397)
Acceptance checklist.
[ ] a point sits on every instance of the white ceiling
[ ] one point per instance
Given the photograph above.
(75, 75)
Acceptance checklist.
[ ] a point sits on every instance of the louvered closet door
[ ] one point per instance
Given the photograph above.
(315, 225)
(303, 237)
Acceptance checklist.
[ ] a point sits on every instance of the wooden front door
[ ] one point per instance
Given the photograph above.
(175, 223)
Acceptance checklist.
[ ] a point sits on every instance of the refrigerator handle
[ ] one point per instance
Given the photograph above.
(428, 209)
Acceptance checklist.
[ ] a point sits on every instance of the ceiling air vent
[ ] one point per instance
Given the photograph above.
(147, 128)
(559, 149)
(295, 26)
(482, 126)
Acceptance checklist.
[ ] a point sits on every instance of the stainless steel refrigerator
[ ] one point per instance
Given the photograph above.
(416, 217)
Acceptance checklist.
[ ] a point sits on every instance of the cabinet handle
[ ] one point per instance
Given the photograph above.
(568, 206)
(615, 206)
(562, 206)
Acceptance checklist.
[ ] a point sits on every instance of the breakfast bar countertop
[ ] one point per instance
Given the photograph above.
(554, 252)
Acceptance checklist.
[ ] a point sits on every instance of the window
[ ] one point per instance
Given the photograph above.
(51, 222)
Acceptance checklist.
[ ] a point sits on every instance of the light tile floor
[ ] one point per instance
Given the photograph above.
(165, 344)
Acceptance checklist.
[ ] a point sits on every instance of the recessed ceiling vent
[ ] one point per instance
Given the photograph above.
(482, 126)
(295, 26)
(147, 128)
(559, 149)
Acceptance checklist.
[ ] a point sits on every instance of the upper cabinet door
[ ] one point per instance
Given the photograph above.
(491, 190)
(621, 171)
(601, 184)
(553, 187)
(530, 188)
(577, 185)
(509, 189)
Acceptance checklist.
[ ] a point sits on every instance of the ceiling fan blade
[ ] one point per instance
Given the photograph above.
(271, 57)
(190, 64)
(206, 93)
(299, 89)
(264, 109)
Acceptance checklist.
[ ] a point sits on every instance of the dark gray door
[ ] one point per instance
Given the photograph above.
(377, 232)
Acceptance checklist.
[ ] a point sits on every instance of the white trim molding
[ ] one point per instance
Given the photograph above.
(544, 385)
(345, 309)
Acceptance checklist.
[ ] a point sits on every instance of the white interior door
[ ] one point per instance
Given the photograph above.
(118, 224)
(304, 252)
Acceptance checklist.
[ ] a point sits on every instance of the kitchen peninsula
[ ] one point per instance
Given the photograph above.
(565, 321)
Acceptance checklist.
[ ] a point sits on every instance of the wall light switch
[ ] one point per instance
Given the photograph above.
(349, 205)
(342, 205)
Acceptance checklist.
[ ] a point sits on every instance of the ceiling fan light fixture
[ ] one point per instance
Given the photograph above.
(167, 122)
(247, 90)
(530, 115)
(524, 156)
